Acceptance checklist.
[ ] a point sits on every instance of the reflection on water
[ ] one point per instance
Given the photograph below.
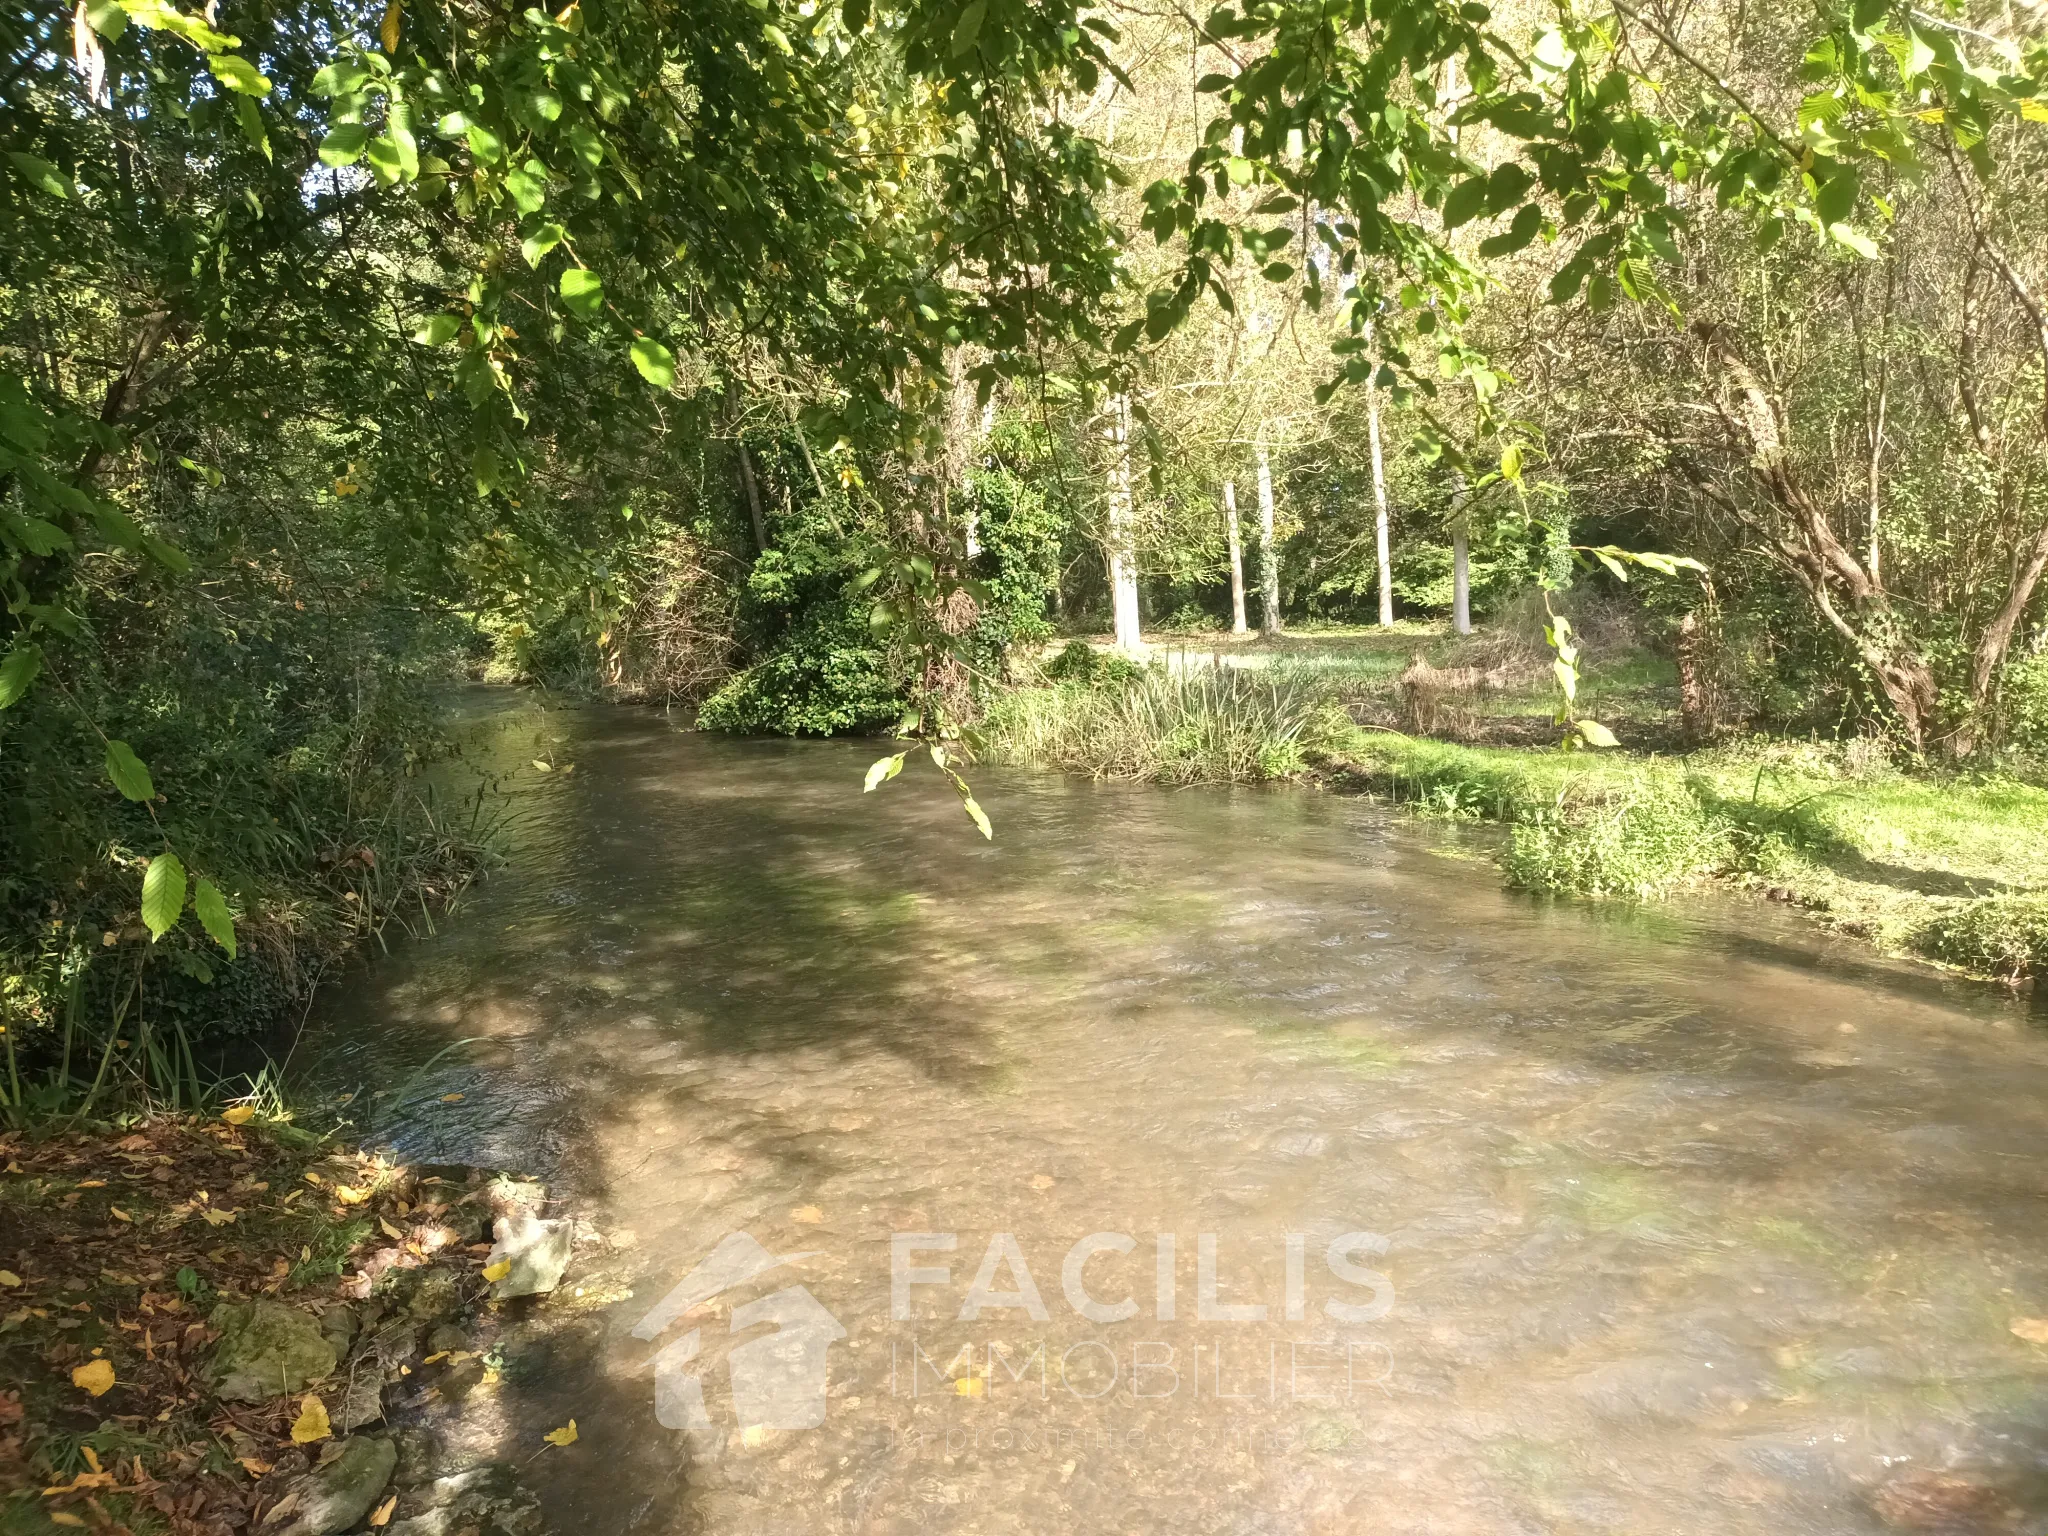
(1691, 1223)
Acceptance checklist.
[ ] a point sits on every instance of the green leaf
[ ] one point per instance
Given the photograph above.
(656, 363)
(528, 185)
(1854, 239)
(484, 468)
(543, 239)
(1567, 677)
(438, 330)
(212, 908)
(583, 291)
(18, 671)
(488, 148)
(106, 18)
(1467, 198)
(1594, 734)
(778, 39)
(163, 894)
(39, 173)
(883, 769)
(344, 144)
(855, 14)
(978, 816)
(128, 773)
(968, 28)
(238, 74)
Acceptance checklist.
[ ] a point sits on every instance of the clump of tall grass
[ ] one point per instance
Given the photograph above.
(1192, 725)
(1638, 839)
(2003, 936)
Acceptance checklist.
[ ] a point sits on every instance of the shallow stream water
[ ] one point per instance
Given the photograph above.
(1434, 1208)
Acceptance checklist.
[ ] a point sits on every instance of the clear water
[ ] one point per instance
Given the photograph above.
(1692, 1221)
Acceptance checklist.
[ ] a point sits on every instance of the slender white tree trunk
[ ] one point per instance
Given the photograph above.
(1461, 564)
(1379, 496)
(1269, 549)
(1123, 553)
(1237, 623)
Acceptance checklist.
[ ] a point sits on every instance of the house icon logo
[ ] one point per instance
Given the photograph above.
(778, 1379)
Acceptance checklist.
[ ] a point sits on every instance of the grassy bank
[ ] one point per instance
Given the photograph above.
(1952, 868)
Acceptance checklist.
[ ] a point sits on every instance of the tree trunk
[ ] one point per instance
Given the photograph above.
(1269, 549)
(1238, 626)
(1122, 529)
(753, 496)
(1382, 528)
(1823, 563)
(961, 441)
(1461, 563)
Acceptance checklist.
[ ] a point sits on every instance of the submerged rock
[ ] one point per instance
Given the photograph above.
(332, 1498)
(267, 1348)
(487, 1501)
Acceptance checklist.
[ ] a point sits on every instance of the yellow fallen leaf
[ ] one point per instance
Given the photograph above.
(451, 1098)
(566, 1435)
(96, 1376)
(9, 1277)
(753, 1435)
(64, 1517)
(382, 1514)
(436, 1358)
(92, 1183)
(92, 1458)
(311, 1423)
(498, 1271)
(120, 1215)
(350, 1196)
(388, 1229)
(809, 1215)
(2033, 1329)
(971, 1386)
(216, 1218)
(239, 1114)
(1041, 1181)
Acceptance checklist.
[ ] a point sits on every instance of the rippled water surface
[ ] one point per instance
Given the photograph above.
(1691, 1222)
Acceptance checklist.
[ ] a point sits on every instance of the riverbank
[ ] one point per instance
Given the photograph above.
(1951, 868)
(226, 1324)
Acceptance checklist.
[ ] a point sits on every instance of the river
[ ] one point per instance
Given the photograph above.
(1210, 1161)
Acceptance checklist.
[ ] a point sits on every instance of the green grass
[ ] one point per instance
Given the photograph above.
(1951, 868)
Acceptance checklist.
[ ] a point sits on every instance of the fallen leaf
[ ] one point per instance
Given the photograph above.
(64, 1517)
(254, 1467)
(96, 1376)
(382, 1514)
(216, 1218)
(753, 1435)
(349, 1196)
(566, 1435)
(451, 1098)
(971, 1386)
(311, 1423)
(498, 1271)
(120, 1215)
(2033, 1329)
(239, 1114)
(1041, 1181)
(92, 1183)
(9, 1277)
(809, 1215)
(388, 1229)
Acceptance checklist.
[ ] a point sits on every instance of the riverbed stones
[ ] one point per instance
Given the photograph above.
(267, 1348)
(436, 1296)
(486, 1500)
(335, 1496)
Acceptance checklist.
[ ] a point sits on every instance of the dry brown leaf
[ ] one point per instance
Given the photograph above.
(809, 1215)
(381, 1516)
(2033, 1329)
